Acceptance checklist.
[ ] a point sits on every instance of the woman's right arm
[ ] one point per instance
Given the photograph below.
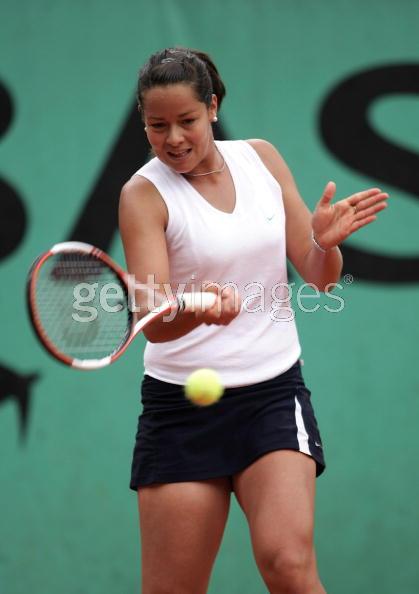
(143, 219)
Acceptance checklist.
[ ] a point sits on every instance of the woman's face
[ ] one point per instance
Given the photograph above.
(178, 125)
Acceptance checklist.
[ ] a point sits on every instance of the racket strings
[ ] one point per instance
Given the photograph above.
(81, 306)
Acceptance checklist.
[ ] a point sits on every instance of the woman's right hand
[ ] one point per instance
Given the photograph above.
(226, 307)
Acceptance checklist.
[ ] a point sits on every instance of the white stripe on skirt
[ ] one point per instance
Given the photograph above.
(302, 434)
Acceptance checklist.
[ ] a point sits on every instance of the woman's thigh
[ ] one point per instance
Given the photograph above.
(181, 526)
(277, 495)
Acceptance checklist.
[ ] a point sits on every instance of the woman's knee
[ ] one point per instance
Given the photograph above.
(289, 569)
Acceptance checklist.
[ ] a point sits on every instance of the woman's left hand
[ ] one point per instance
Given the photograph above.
(333, 223)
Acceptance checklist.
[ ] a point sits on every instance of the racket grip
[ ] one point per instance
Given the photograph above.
(197, 301)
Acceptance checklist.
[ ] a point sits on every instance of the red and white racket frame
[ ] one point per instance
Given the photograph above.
(186, 302)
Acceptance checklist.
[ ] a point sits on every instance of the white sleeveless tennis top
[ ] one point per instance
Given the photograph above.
(244, 249)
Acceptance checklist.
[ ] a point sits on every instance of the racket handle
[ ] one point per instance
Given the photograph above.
(197, 301)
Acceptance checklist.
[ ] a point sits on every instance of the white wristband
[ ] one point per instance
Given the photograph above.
(316, 244)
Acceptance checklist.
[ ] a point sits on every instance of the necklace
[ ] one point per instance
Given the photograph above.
(209, 172)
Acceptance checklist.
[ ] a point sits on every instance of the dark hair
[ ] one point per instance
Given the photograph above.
(181, 65)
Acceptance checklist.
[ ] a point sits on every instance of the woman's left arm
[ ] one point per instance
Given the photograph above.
(318, 261)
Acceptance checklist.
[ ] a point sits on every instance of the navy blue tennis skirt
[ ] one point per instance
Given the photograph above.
(179, 441)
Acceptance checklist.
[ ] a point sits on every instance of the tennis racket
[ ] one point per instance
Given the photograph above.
(81, 305)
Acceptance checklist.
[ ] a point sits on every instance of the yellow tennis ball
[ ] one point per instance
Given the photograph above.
(203, 387)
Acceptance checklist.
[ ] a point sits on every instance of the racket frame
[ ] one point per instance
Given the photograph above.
(188, 301)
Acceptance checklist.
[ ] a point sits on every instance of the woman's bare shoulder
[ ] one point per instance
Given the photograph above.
(140, 195)
(265, 149)
(271, 158)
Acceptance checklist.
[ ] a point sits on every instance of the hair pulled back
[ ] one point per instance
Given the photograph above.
(181, 65)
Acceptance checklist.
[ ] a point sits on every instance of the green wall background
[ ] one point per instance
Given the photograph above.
(68, 522)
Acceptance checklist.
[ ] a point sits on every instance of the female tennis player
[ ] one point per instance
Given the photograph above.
(227, 213)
